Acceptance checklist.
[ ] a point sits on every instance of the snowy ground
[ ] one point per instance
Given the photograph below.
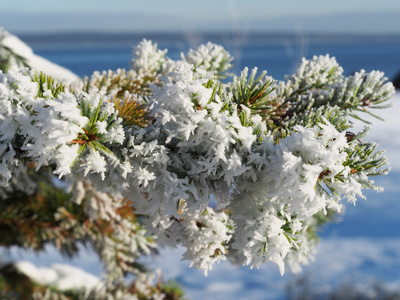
(362, 249)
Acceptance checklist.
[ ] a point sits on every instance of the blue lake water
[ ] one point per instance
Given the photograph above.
(279, 55)
(364, 245)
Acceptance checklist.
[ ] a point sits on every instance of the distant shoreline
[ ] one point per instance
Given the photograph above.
(100, 38)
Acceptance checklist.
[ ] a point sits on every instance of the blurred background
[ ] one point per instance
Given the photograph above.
(358, 255)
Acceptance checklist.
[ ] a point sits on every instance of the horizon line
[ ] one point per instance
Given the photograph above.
(206, 32)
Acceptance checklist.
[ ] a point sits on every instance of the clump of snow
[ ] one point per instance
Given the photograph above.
(36, 62)
(63, 276)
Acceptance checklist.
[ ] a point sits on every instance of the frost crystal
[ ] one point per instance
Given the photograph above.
(245, 170)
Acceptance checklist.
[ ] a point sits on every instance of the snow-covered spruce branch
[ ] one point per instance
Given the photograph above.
(242, 170)
(37, 211)
(320, 83)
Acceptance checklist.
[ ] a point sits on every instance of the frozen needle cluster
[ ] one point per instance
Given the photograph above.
(246, 170)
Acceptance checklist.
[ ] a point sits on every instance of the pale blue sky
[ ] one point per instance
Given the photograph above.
(201, 15)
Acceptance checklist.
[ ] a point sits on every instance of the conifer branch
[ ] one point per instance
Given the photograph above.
(163, 138)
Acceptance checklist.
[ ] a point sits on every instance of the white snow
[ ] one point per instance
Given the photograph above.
(62, 276)
(37, 62)
(385, 133)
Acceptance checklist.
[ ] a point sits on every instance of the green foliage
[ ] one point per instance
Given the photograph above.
(257, 94)
(47, 83)
(90, 138)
